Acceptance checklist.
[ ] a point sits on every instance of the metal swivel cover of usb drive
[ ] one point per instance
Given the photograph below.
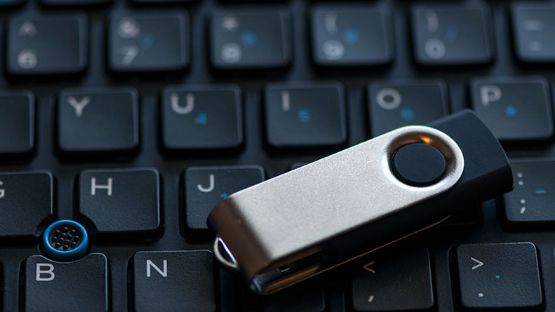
(312, 219)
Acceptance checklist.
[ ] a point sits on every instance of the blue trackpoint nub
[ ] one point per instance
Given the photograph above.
(65, 240)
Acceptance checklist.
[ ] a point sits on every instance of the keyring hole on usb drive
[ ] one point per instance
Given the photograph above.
(224, 255)
(418, 137)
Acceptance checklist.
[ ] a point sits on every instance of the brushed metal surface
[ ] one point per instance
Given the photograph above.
(284, 219)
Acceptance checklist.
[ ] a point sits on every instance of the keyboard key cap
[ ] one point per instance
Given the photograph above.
(394, 105)
(514, 110)
(11, 2)
(202, 118)
(34, 45)
(26, 200)
(2, 285)
(533, 28)
(121, 201)
(149, 42)
(66, 286)
(300, 298)
(173, 281)
(531, 201)
(397, 282)
(451, 35)
(305, 297)
(163, 1)
(17, 123)
(250, 39)
(206, 186)
(74, 2)
(305, 115)
(351, 36)
(102, 121)
(501, 276)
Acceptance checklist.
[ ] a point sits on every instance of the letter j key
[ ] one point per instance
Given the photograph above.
(206, 186)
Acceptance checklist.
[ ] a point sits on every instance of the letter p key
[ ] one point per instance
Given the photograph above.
(2, 191)
(489, 94)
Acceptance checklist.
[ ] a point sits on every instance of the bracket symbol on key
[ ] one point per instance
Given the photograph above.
(368, 267)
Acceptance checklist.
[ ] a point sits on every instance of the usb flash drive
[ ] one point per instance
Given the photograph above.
(354, 202)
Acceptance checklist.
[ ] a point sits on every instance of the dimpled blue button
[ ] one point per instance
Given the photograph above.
(65, 240)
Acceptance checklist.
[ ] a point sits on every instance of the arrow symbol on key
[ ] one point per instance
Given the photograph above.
(478, 263)
(368, 268)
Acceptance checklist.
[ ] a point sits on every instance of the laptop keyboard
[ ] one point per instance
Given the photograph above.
(134, 117)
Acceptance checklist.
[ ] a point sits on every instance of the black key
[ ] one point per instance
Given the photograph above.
(297, 165)
(173, 281)
(351, 36)
(250, 39)
(514, 110)
(502, 276)
(103, 121)
(163, 1)
(206, 186)
(17, 123)
(26, 200)
(149, 42)
(451, 35)
(533, 28)
(300, 298)
(121, 201)
(80, 285)
(35, 45)
(75, 2)
(531, 201)
(398, 282)
(305, 115)
(10, 2)
(394, 105)
(2, 285)
(202, 118)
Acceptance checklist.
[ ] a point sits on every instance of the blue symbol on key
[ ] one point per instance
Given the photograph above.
(498, 276)
(148, 40)
(350, 36)
(201, 119)
(540, 191)
(304, 115)
(248, 38)
(511, 111)
(452, 33)
(407, 114)
(224, 195)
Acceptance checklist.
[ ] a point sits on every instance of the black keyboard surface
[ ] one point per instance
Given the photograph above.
(134, 117)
